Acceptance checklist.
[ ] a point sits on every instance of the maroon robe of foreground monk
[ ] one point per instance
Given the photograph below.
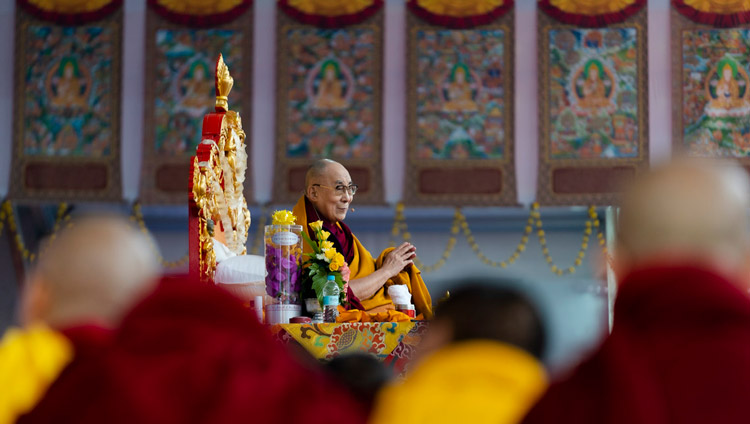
(191, 353)
(679, 352)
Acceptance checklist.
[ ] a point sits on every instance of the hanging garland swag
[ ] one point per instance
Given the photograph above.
(199, 14)
(69, 12)
(591, 13)
(330, 13)
(463, 14)
(719, 13)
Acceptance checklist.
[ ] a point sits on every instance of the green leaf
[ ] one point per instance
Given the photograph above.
(319, 281)
(310, 243)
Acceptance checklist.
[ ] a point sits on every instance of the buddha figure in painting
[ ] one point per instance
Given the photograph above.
(594, 90)
(459, 92)
(727, 90)
(328, 196)
(330, 91)
(198, 88)
(68, 88)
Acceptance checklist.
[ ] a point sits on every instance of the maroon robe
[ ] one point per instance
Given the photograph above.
(342, 241)
(679, 352)
(191, 353)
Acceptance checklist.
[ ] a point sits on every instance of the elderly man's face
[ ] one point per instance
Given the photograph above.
(331, 204)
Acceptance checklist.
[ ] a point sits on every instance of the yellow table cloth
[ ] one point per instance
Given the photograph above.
(391, 342)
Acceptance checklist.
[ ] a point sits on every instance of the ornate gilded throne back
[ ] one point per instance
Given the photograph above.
(218, 209)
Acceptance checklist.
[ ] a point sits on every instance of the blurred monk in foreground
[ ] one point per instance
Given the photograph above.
(190, 352)
(328, 195)
(83, 283)
(679, 351)
(479, 362)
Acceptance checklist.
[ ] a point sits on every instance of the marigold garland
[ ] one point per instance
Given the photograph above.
(460, 13)
(63, 218)
(400, 228)
(719, 13)
(591, 13)
(330, 13)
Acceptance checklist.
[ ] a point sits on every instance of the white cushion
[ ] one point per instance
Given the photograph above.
(221, 251)
(241, 269)
(244, 276)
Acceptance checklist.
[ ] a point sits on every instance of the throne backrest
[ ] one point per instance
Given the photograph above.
(218, 209)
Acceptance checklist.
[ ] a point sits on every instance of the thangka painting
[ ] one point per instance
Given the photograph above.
(180, 65)
(711, 90)
(67, 110)
(593, 113)
(460, 114)
(328, 104)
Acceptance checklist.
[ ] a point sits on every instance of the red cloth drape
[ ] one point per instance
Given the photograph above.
(330, 21)
(715, 19)
(200, 21)
(582, 20)
(459, 22)
(69, 19)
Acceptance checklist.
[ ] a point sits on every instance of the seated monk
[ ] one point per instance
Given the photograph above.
(328, 194)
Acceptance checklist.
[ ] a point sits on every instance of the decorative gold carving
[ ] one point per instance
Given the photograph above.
(204, 203)
(224, 83)
(218, 182)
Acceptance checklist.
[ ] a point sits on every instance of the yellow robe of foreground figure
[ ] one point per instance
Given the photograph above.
(473, 382)
(363, 264)
(30, 360)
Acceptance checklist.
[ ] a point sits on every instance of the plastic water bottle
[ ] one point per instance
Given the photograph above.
(330, 300)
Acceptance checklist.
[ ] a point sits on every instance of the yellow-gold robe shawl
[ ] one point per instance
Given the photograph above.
(363, 265)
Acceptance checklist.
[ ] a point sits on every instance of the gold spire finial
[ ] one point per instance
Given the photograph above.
(224, 83)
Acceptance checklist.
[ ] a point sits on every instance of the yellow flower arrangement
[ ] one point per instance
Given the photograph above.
(337, 262)
(283, 217)
(323, 261)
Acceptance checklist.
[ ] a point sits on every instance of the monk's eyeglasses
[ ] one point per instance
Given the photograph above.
(341, 189)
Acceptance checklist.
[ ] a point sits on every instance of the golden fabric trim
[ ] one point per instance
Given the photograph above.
(330, 7)
(460, 8)
(593, 7)
(199, 7)
(719, 6)
(69, 6)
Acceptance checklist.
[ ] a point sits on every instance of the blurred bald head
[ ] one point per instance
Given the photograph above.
(692, 210)
(92, 272)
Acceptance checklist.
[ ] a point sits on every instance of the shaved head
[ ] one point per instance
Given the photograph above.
(321, 181)
(92, 272)
(317, 170)
(692, 210)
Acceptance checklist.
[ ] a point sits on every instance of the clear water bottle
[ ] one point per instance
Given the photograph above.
(330, 300)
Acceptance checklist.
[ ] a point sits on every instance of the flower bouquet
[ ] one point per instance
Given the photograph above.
(322, 262)
(283, 254)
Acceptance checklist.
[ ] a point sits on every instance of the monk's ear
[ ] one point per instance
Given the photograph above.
(35, 301)
(312, 193)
